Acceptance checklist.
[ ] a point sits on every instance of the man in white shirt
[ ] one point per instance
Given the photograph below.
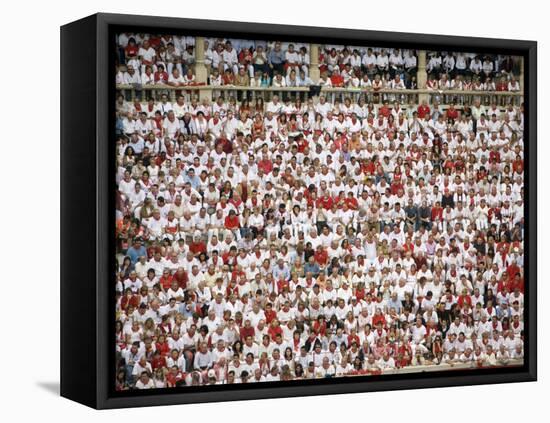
(147, 55)
(131, 77)
(369, 63)
(230, 58)
(476, 66)
(145, 382)
(292, 59)
(175, 79)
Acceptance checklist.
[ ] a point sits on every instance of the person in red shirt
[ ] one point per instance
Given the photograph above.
(408, 246)
(353, 338)
(274, 329)
(181, 278)
(197, 246)
(131, 50)
(162, 346)
(336, 79)
(404, 355)
(385, 110)
(174, 377)
(321, 256)
(513, 270)
(283, 285)
(232, 221)
(228, 77)
(368, 167)
(245, 57)
(517, 282)
(502, 84)
(230, 257)
(397, 182)
(437, 213)
(270, 314)
(161, 76)
(247, 330)
(226, 145)
(340, 140)
(378, 320)
(320, 326)
(302, 143)
(360, 291)
(129, 300)
(325, 201)
(494, 157)
(158, 361)
(265, 165)
(352, 202)
(452, 113)
(517, 165)
(166, 279)
(494, 212)
(423, 110)
(340, 200)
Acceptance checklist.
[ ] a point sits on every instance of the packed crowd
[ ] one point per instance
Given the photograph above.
(170, 60)
(292, 241)
(470, 72)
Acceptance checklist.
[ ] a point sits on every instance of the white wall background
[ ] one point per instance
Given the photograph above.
(29, 238)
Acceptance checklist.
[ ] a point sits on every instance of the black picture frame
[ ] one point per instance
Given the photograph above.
(87, 204)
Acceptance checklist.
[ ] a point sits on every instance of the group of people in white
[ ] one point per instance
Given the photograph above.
(289, 240)
(146, 60)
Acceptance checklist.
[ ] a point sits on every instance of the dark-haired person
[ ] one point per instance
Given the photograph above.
(145, 382)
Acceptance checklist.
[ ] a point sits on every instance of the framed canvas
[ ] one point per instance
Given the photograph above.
(258, 211)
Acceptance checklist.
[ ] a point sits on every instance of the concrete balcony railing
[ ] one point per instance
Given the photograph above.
(404, 96)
